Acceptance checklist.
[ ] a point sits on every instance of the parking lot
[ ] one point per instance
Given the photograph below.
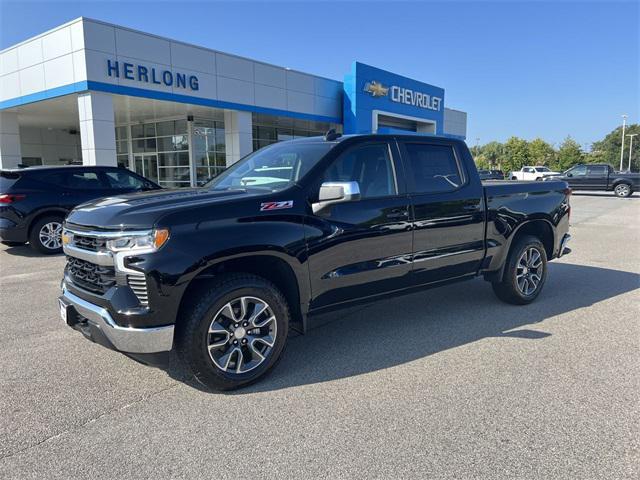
(447, 383)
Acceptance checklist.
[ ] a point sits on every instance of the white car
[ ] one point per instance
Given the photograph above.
(532, 173)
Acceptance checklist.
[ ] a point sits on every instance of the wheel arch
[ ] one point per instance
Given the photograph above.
(266, 265)
(539, 227)
(58, 212)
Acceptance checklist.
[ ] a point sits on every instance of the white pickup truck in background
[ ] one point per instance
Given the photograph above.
(532, 173)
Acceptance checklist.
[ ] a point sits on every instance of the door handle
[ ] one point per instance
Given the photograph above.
(398, 213)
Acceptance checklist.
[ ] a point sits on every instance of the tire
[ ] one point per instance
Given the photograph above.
(210, 322)
(539, 179)
(45, 235)
(513, 288)
(12, 244)
(514, 178)
(623, 190)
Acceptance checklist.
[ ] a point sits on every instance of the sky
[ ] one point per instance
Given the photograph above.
(529, 69)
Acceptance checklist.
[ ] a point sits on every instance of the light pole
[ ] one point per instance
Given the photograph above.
(624, 122)
(630, 135)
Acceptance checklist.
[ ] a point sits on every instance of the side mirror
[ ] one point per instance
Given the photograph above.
(569, 174)
(336, 192)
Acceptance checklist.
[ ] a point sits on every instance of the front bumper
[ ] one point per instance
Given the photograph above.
(96, 323)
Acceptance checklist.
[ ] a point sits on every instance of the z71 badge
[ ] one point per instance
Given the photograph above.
(265, 206)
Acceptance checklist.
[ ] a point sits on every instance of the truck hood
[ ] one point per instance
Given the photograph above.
(143, 210)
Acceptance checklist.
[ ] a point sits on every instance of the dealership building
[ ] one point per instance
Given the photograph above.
(99, 94)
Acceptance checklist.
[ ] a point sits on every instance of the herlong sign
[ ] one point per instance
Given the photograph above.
(145, 74)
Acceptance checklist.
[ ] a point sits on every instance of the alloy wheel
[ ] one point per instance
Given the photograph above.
(622, 190)
(50, 235)
(242, 335)
(529, 271)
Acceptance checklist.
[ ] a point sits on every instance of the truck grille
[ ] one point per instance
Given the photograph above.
(138, 284)
(92, 277)
(86, 242)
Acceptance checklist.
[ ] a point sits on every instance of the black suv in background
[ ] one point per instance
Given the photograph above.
(35, 201)
(491, 174)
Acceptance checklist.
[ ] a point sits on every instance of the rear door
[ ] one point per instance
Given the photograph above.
(597, 177)
(448, 211)
(84, 185)
(361, 248)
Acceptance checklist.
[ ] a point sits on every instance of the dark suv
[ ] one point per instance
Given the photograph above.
(35, 201)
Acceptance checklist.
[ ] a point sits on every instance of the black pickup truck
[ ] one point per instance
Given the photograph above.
(221, 273)
(600, 176)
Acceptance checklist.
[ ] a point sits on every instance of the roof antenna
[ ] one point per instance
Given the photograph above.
(331, 135)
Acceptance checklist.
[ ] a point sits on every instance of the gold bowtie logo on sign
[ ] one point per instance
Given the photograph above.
(376, 89)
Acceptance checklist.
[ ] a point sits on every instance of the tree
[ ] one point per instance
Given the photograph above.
(516, 154)
(541, 153)
(569, 154)
(607, 150)
(493, 153)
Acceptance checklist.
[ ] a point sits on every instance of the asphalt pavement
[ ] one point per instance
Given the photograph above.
(446, 383)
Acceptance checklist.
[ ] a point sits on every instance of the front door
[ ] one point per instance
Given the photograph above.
(361, 248)
(147, 166)
(577, 177)
(448, 212)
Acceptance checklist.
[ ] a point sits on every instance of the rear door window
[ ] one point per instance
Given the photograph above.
(83, 180)
(435, 167)
(597, 171)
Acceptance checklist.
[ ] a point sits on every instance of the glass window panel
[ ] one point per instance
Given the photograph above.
(149, 129)
(150, 145)
(220, 140)
(122, 147)
(174, 174)
(137, 131)
(181, 142)
(123, 161)
(181, 127)
(183, 158)
(138, 146)
(267, 133)
(165, 128)
(165, 144)
(221, 160)
(122, 133)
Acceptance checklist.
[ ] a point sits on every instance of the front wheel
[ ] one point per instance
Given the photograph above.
(525, 272)
(623, 190)
(46, 235)
(235, 331)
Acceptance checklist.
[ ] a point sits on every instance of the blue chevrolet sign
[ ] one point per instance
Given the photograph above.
(371, 91)
(142, 73)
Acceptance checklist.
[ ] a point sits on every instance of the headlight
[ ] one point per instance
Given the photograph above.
(151, 240)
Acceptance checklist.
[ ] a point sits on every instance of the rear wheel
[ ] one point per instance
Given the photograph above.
(235, 332)
(623, 190)
(46, 235)
(525, 272)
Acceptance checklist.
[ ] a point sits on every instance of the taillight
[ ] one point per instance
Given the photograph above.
(8, 198)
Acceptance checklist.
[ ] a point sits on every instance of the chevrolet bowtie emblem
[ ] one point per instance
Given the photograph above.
(376, 89)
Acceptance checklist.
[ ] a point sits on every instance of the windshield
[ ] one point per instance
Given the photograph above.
(272, 168)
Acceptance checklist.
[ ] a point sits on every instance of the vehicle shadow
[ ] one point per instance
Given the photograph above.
(393, 332)
(26, 251)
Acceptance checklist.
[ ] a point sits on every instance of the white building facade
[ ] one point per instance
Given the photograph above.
(99, 94)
